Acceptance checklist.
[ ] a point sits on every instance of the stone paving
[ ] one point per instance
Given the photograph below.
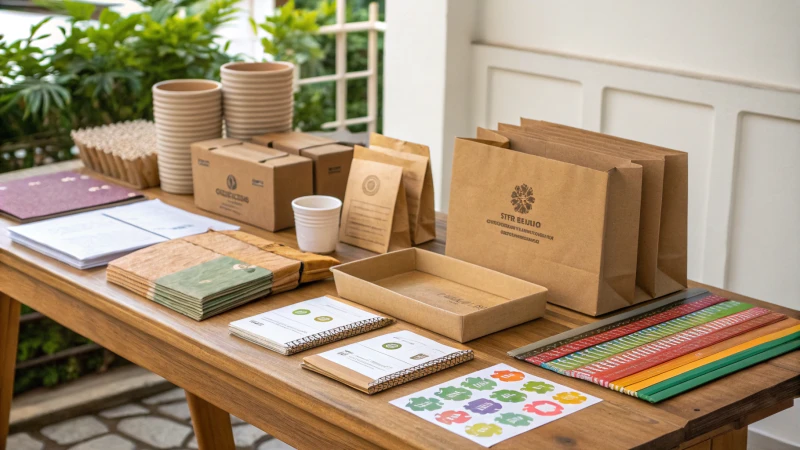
(160, 422)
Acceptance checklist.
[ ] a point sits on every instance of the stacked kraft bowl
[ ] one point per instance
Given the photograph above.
(258, 98)
(185, 111)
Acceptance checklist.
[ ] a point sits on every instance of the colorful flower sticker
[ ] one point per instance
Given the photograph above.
(540, 387)
(424, 404)
(454, 393)
(484, 430)
(479, 384)
(569, 398)
(508, 375)
(544, 408)
(515, 420)
(450, 417)
(505, 395)
(483, 406)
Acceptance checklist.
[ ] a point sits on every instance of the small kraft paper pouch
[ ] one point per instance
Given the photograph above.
(556, 216)
(672, 236)
(418, 183)
(414, 168)
(374, 213)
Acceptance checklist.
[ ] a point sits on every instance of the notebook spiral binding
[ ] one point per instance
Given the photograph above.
(335, 334)
(420, 371)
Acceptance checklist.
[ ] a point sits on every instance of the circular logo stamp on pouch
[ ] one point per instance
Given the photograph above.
(246, 267)
(371, 185)
(323, 318)
(391, 345)
(300, 312)
(231, 182)
(522, 199)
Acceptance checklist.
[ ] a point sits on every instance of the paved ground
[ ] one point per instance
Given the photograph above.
(159, 422)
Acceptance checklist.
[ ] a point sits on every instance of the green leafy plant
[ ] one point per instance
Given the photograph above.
(291, 36)
(102, 71)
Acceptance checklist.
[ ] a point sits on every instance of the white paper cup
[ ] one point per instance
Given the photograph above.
(317, 222)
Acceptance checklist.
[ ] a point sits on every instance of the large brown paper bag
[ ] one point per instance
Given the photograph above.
(414, 169)
(374, 213)
(648, 280)
(552, 222)
(673, 221)
(421, 204)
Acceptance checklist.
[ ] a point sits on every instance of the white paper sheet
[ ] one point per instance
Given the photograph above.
(94, 238)
(165, 220)
(494, 404)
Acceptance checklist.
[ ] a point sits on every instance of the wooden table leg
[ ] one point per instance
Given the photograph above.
(212, 426)
(9, 334)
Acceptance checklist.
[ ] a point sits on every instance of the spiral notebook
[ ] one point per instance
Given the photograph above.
(305, 325)
(385, 361)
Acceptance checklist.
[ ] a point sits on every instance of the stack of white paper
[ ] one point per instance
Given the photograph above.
(95, 238)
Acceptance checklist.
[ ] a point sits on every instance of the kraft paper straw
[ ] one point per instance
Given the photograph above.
(625, 330)
(750, 336)
(675, 346)
(733, 363)
(712, 358)
(646, 336)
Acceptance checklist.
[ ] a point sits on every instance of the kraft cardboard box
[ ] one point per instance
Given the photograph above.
(332, 160)
(248, 182)
(445, 295)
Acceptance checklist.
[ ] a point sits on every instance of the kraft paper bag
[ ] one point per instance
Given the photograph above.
(548, 213)
(665, 208)
(374, 213)
(421, 200)
(414, 169)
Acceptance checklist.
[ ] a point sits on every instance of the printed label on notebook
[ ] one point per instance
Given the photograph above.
(300, 320)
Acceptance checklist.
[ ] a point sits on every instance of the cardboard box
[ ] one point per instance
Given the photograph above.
(248, 182)
(331, 159)
(451, 297)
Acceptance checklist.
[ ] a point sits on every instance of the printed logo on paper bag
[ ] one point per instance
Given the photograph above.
(484, 430)
(391, 345)
(231, 182)
(483, 406)
(450, 417)
(300, 312)
(522, 199)
(371, 185)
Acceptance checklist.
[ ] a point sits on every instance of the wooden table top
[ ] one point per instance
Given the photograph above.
(308, 408)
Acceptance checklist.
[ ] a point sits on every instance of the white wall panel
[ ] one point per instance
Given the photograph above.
(765, 223)
(514, 94)
(681, 125)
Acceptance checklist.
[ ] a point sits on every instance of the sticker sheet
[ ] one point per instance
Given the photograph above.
(494, 404)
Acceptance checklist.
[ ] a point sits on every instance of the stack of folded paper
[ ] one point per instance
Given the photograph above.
(206, 274)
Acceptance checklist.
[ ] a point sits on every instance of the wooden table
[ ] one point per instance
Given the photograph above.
(223, 374)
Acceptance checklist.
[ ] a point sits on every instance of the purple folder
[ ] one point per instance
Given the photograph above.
(58, 194)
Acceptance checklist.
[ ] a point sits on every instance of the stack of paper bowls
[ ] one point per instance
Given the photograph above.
(258, 98)
(185, 111)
